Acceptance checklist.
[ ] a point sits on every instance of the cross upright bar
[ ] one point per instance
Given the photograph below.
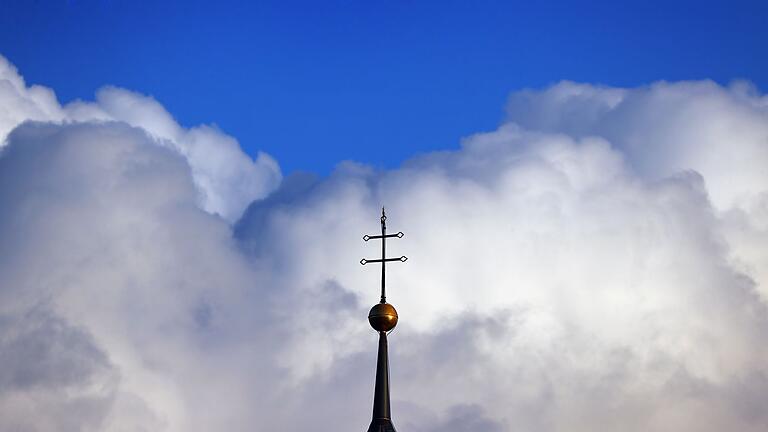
(384, 236)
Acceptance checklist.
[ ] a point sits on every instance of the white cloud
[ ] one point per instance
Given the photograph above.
(590, 265)
(102, 227)
(665, 128)
(227, 179)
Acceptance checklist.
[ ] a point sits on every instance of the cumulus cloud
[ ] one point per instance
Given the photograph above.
(667, 128)
(589, 265)
(103, 228)
(227, 179)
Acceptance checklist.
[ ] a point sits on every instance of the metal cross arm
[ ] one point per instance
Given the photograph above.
(383, 260)
(366, 261)
(374, 237)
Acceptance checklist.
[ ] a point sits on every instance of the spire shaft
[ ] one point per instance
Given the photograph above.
(382, 420)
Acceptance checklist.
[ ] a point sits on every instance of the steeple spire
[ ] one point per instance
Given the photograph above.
(383, 318)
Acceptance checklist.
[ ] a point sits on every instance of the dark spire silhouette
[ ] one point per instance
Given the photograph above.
(383, 318)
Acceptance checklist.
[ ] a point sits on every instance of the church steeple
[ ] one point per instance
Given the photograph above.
(383, 318)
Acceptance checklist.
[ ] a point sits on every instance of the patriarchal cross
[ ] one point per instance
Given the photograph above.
(384, 236)
(383, 318)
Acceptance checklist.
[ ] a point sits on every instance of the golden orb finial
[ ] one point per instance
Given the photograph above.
(383, 317)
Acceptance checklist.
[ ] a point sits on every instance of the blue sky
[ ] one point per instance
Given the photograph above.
(595, 261)
(313, 83)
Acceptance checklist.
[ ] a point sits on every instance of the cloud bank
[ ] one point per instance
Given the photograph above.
(597, 262)
(227, 180)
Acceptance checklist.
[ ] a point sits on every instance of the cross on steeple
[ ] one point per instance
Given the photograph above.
(384, 236)
(383, 318)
